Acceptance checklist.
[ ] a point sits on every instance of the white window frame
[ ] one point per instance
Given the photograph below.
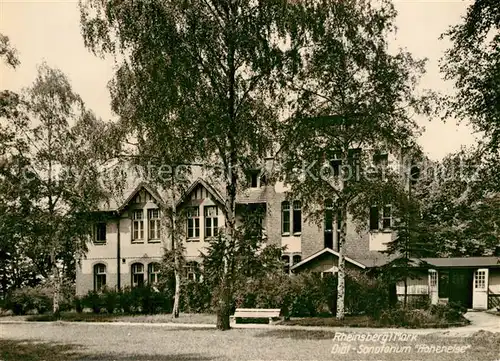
(153, 272)
(97, 233)
(136, 273)
(211, 214)
(99, 272)
(153, 224)
(193, 217)
(382, 217)
(285, 209)
(480, 280)
(192, 271)
(138, 225)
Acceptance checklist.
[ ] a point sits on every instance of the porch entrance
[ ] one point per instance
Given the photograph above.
(460, 286)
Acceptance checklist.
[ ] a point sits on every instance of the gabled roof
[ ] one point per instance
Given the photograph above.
(137, 189)
(323, 251)
(211, 190)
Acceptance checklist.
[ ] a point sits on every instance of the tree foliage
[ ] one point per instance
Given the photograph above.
(473, 63)
(352, 94)
(209, 74)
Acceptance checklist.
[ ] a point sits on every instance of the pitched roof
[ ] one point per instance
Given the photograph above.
(211, 190)
(140, 186)
(323, 251)
(450, 262)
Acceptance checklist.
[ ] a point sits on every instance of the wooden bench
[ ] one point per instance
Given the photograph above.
(269, 313)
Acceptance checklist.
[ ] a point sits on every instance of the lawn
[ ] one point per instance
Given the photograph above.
(103, 342)
(190, 318)
(361, 321)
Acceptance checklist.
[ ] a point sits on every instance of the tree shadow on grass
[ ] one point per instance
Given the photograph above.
(30, 350)
(298, 334)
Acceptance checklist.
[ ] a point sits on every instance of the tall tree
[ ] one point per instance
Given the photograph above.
(353, 94)
(473, 63)
(64, 152)
(215, 71)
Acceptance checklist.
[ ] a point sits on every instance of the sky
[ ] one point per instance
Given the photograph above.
(50, 31)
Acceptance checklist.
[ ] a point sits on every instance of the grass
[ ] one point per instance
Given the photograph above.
(193, 318)
(20, 350)
(24, 350)
(363, 321)
(72, 317)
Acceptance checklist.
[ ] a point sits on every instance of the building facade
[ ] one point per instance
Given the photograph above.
(127, 244)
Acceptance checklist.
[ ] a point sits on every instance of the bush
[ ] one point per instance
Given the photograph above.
(125, 301)
(110, 300)
(77, 303)
(24, 300)
(93, 300)
(451, 312)
(196, 297)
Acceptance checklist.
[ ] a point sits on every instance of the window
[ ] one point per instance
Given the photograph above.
(297, 217)
(154, 224)
(253, 179)
(211, 221)
(336, 164)
(137, 274)
(387, 217)
(192, 271)
(296, 259)
(153, 273)
(286, 263)
(354, 158)
(100, 233)
(374, 218)
(285, 218)
(138, 225)
(328, 234)
(480, 280)
(99, 276)
(433, 278)
(377, 222)
(381, 159)
(193, 223)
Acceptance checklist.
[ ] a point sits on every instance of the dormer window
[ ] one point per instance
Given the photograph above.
(256, 178)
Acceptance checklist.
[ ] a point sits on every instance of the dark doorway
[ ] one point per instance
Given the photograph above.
(460, 286)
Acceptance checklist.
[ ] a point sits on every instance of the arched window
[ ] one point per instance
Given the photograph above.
(137, 274)
(192, 271)
(99, 276)
(153, 272)
(296, 259)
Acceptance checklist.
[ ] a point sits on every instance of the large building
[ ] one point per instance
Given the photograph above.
(127, 244)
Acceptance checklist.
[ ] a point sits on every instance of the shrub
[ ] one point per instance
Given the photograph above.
(125, 300)
(93, 300)
(196, 297)
(110, 300)
(77, 303)
(24, 300)
(451, 312)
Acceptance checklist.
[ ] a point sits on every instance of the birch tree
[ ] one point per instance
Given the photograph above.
(63, 150)
(214, 69)
(352, 94)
